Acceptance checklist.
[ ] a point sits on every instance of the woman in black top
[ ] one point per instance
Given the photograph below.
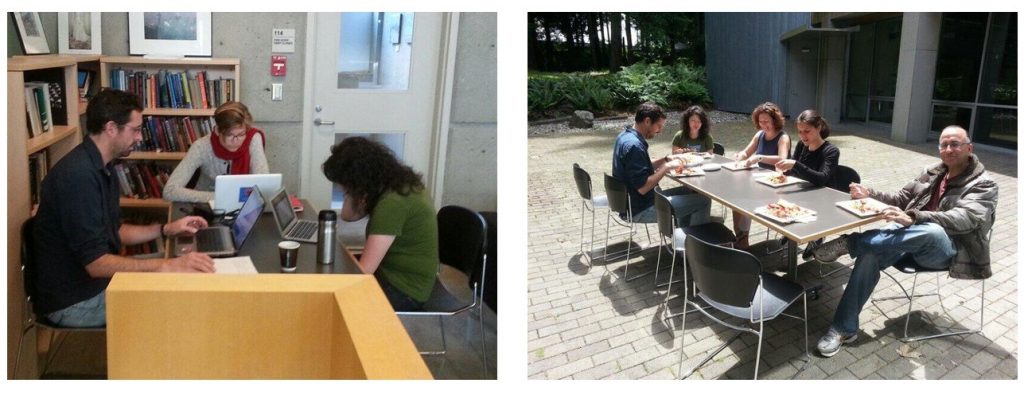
(815, 160)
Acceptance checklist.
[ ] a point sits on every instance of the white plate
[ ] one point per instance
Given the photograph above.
(711, 166)
(875, 207)
(790, 180)
(696, 171)
(763, 211)
(732, 166)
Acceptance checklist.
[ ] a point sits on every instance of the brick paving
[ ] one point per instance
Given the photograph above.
(586, 322)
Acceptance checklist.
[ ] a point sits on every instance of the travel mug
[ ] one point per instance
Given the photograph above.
(325, 237)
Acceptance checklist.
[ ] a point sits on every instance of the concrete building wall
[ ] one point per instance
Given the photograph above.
(471, 168)
(746, 62)
(915, 76)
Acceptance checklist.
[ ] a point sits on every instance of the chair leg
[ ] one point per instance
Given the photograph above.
(954, 333)
(910, 306)
(682, 341)
(21, 343)
(583, 223)
(593, 224)
(760, 338)
(483, 337)
(607, 225)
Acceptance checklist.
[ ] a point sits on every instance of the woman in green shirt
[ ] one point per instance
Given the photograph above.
(401, 234)
(695, 135)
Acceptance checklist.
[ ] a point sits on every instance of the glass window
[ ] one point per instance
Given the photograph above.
(961, 40)
(881, 111)
(996, 126)
(886, 57)
(999, 76)
(374, 50)
(859, 72)
(943, 116)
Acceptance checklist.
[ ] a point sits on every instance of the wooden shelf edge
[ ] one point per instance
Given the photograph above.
(145, 203)
(179, 112)
(57, 134)
(180, 61)
(145, 155)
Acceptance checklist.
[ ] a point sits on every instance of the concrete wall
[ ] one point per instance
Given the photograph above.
(472, 158)
(746, 62)
(472, 168)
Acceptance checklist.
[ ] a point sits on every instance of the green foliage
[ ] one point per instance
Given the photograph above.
(585, 92)
(543, 93)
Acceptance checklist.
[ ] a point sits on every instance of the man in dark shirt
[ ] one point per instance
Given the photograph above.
(941, 219)
(78, 231)
(632, 165)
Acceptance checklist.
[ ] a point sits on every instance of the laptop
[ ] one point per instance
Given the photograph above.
(288, 222)
(222, 240)
(230, 191)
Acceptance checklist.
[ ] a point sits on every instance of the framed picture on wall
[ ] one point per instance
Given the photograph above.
(169, 33)
(30, 30)
(79, 32)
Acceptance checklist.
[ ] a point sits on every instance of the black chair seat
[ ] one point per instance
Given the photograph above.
(712, 233)
(777, 292)
(443, 301)
(908, 265)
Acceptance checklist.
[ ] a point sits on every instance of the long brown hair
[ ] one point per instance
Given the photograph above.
(817, 121)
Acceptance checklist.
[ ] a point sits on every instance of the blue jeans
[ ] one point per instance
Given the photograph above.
(88, 313)
(398, 299)
(691, 208)
(876, 250)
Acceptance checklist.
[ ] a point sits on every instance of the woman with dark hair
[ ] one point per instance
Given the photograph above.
(234, 147)
(815, 160)
(695, 135)
(401, 235)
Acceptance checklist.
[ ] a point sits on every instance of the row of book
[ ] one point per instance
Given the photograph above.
(149, 249)
(166, 89)
(38, 164)
(44, 107)
(172, 134)
(142, 179)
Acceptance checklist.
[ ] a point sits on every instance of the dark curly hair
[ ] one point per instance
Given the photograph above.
(110, 105)
(705, 125)
(367, 169)
(773, 111)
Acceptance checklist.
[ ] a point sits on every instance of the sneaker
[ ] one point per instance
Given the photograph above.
(830, 344)
(830, 251)
(810, 249)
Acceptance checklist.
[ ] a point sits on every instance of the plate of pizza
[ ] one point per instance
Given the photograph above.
(776, 179)
(735, 166)
(691, 158)
(686, 171)
(866, 207)
(786, 212)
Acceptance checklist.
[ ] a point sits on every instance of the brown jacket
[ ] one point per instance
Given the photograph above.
(966, 211)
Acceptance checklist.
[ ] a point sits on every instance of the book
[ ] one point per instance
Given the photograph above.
(35, 124)
(42, 94)
(84, 80)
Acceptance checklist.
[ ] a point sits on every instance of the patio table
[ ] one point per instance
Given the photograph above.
(740, 192)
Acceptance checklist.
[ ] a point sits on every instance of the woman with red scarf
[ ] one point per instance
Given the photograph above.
(235, 147)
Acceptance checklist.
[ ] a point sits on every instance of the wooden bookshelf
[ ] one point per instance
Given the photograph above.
(56, 142)
(148, 155)
(145, 203)
(179, 112)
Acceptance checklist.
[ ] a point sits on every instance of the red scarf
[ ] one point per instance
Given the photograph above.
(240, 158)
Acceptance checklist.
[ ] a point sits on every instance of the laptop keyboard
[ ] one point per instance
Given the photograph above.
(303, 230)
(209, 242)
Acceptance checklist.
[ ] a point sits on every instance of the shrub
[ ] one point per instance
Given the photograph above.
(585, 92)
(543, 94)
(641, 83)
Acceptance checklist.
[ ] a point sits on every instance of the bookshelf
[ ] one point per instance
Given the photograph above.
(154, 106)
(21, 146)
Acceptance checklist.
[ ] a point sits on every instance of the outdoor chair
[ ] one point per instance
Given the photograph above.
(841, 182)
(908, 265)
(619, 203)
(588, 202)
(731, 281)
(33, 318)
(462, 245)
(719, 149)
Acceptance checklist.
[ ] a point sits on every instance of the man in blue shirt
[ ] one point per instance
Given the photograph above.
(78, 231)
(632, 164)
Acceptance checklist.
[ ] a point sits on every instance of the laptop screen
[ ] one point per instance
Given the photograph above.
(283, 209)
(247, 216)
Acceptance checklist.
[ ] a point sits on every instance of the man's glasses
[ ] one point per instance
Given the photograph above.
(954, 145)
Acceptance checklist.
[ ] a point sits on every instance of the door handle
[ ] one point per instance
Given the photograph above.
(319, 122)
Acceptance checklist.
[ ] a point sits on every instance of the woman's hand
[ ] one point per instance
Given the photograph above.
(783, 166)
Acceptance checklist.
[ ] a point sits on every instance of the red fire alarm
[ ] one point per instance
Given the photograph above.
(278, 65)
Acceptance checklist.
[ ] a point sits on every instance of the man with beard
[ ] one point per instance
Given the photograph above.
(78, 231)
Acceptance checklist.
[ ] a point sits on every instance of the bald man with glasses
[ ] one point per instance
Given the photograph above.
(941, 218)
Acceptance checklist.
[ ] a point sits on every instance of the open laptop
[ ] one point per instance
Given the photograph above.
(230, 191)
(288, 222)
(222, 240)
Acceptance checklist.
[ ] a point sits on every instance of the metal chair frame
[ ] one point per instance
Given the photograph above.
(609, 181)
(587, 203)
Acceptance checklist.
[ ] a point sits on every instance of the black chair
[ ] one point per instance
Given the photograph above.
(674, 237)
(840, 182)
(619, 203)
(908, 265)
(462, 245)
(34, 318)
(732, 282)
(719, 149)
(588, 202)
(491, 268)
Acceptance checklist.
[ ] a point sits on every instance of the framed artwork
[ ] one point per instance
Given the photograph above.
(169, 33)
(30, 30)
(79, 32)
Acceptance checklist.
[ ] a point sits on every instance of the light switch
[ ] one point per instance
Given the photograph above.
(276, 92)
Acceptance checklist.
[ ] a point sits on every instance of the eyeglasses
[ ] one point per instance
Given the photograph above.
(954, 145)
(233, 136)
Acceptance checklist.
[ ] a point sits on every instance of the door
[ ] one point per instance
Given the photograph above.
(379, 75)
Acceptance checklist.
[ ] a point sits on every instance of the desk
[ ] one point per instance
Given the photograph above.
(739, 191)
(261, 246)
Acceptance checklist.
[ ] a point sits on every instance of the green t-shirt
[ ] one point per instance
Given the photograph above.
(410, 265)
(699, 144)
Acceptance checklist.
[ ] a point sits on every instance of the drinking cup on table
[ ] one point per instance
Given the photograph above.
(289, 251)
